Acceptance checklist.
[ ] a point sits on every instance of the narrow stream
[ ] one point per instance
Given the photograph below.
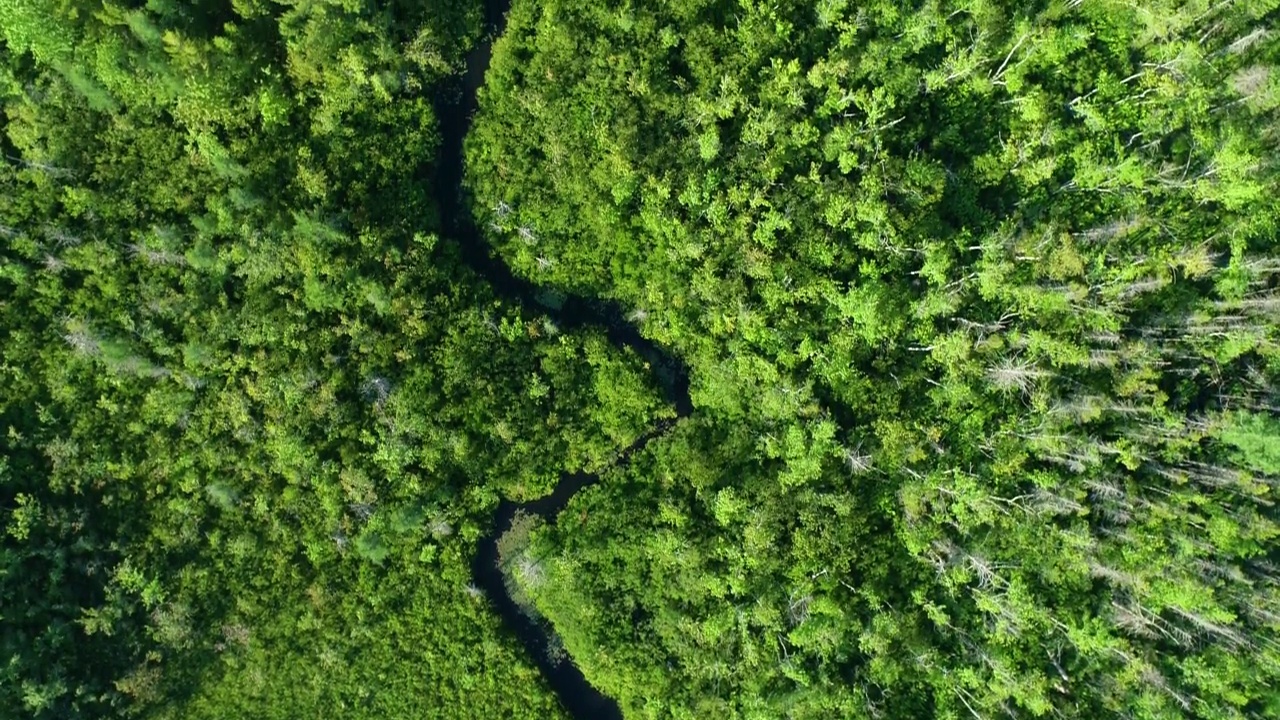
(455, 110)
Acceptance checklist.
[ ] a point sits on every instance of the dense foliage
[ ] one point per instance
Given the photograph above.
(980, 302)
(256, 413)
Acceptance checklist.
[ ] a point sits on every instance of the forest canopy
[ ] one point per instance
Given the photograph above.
(978, 302)
(256, 410)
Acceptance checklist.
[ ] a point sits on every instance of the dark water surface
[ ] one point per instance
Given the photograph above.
(455, 110)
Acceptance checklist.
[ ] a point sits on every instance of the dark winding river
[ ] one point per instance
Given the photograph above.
(455, 110)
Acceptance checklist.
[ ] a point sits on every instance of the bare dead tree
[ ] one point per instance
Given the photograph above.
(50, 170)
(440, 527)
(1153, 677)
(82, 340)
(61, 237)
(858, 461)
(156, 257)
(1014, 374)
(1111, 574)
(798, 609)
(376, 390)
(530, 571)
(1228, 635)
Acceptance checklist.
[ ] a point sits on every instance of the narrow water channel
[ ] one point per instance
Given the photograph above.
(455, 110)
